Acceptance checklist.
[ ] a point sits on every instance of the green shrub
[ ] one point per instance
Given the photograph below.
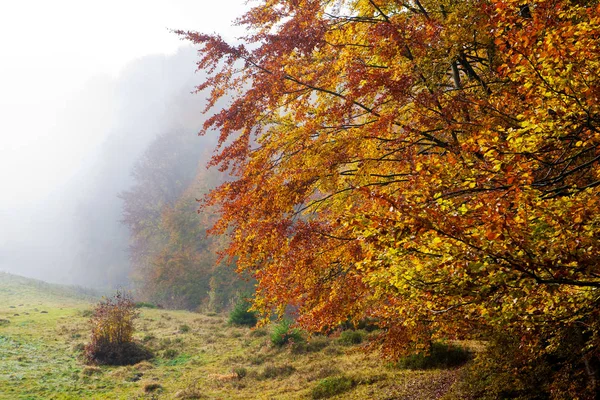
(142, 304)
(111, 340)
(283, 333)
(332, 386)
(241, 372)
(240, 314)
(441, 355)
(184, 329)
(348, 338)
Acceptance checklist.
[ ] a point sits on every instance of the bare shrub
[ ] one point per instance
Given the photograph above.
(111, 341)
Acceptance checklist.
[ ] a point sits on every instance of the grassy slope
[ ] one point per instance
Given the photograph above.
(39, 360)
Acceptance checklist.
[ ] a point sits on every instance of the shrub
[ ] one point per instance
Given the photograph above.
(441, 355)
(553, 368)
(111, 340)
(241, 372)
(150, 387)
(142, 304)
(348, 338)
(240, 314)
(332, 386)
(283, 333)
(184, 329)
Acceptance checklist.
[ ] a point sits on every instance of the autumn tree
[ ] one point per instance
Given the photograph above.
(429, 164)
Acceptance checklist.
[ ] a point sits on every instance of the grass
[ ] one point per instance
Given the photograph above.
(40, 357)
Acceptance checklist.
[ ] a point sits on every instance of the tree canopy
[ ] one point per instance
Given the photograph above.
(430, 164)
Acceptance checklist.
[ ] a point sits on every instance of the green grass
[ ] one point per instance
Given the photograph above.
(39, 357)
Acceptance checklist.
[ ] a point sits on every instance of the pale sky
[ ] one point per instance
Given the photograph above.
(50, 50)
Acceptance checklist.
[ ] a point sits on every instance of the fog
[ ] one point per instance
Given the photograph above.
(86, 86)
(74, 234)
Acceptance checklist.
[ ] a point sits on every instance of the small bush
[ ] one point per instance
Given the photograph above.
(283, 333)
(150, 387)
(332, 386)
(241, 372)
(111, 340)
(240, 314)
(142, 304)
(184, 329)
(348, 338)
(441, 355)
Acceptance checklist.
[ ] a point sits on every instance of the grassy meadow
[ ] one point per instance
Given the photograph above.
(43, 329)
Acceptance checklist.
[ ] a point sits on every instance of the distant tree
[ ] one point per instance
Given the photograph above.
(173, 260)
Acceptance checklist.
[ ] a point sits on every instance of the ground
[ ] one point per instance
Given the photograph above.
(197, 356)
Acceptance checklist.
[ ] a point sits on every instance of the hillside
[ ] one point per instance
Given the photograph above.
(198, 356)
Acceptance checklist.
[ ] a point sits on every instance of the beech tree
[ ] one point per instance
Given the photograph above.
(429, 164)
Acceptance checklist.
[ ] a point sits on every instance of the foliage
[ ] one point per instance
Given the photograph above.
(241, 315)
(440, 355)
(332, 386)
(145, 304)
(432, 164)
(558, 366)
(351, 337)
(241, 372)
(283, 333)
(111, 341)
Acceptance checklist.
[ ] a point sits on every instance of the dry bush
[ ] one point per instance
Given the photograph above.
(111, 340)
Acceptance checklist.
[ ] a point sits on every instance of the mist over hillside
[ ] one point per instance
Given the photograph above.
(74, 235)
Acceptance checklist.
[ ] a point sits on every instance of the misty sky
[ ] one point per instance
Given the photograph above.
(61, 63)
(50, 49)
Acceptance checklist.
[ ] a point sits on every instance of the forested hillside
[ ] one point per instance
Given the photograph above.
(174, 262)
